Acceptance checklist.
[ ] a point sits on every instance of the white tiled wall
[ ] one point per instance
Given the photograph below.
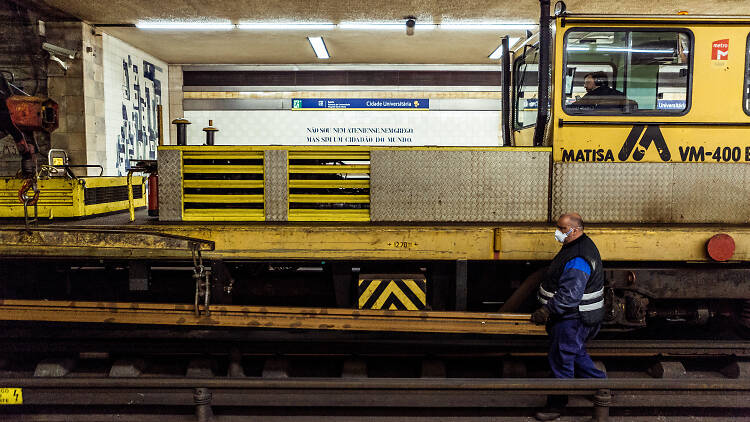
(123, 139)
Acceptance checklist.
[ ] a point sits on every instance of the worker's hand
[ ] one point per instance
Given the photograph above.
(540, 316)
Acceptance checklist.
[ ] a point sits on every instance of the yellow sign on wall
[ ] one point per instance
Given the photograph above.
(11, 396)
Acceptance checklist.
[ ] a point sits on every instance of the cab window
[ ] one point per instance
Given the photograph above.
(626, 72)
(526, 89)
(746, 90)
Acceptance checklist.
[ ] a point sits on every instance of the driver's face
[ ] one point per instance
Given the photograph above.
(588, 83)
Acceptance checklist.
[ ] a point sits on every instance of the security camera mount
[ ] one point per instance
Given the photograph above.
(411, 22)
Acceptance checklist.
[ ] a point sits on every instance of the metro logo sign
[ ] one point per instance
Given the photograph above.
(720, 50)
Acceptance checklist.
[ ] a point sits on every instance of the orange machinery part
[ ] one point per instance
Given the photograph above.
(33, 113)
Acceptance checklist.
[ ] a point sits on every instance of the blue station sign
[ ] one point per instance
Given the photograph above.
(360, 104)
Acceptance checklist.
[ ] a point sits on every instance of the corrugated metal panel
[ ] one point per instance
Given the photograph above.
(170, 185)
(443, 185)
(653, 192)
(275, 163)
(613, 192)
(711, 192)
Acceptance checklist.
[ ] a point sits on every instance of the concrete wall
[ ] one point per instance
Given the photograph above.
(176, 95)
(93, 99)
(134, 84)
(67, 88)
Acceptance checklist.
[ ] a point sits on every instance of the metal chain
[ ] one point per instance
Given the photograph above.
(202, 279)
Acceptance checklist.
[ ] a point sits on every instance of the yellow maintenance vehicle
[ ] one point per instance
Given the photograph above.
(638, 123)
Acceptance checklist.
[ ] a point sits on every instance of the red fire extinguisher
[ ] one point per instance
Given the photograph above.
(153, 195)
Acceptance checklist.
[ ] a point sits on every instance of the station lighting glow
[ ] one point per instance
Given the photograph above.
(376, 26)
(285, 25)
(487, 26)
(186, 26)
(621, 50)
(388, 26)
(319, 47)
(498, 53)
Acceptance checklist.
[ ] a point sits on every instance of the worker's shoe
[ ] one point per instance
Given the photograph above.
(553, 409)
(547, 415)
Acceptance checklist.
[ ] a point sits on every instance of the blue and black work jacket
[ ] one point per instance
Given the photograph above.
(574, 283)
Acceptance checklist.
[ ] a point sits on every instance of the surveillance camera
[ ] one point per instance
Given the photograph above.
(410, 24)
(58, 61)
(53, 49)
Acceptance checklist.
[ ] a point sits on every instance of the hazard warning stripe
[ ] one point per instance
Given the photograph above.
(392, 294)
(395, 295)
(366, 288)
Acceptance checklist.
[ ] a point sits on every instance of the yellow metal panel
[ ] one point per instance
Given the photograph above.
(715, 98)
(112, 207)
(624, 243)
(364, 183)
(79, 198)
(379, 242)
(357, 199)
(328, 215)
(223, 214)
(200, 168)
(222, 199)
(65, 198)
(333, 155)
(351, 168)
(106, 181)
(222, 184)
(223, 156)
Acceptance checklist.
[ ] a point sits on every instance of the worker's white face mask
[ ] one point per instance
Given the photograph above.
(560, 236)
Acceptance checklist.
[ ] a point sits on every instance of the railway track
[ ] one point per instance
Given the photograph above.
(511, 399)
(197, 377)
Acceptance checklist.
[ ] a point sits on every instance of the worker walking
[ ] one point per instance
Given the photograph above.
(572, 299)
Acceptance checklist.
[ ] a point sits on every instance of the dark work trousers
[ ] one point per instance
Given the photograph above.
(567, 351)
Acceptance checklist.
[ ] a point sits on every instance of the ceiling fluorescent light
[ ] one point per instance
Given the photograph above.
(498, 53)
(488, 26)
(186, 26)
(392, 26)
(285, 25)
(319, 46)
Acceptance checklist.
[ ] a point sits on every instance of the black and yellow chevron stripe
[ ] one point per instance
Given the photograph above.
(396, 293)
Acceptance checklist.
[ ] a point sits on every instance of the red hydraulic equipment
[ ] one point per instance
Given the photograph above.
(21, 116)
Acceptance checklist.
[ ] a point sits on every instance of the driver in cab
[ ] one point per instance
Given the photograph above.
(599, 95)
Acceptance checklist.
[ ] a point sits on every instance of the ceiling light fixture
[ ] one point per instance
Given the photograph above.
(498, 53)
(319, 47)
(487, 26)
(379, 26)
(186, 26)
(285, 25)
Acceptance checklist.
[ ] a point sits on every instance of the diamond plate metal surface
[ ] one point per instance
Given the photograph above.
(711, 192)
(613, 192)
(463, 186)
(653, 192)
(170, 185)
(276, 191)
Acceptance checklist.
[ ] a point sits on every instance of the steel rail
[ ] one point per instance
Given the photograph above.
(269, 317)
(573, 386)
(309, 346)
